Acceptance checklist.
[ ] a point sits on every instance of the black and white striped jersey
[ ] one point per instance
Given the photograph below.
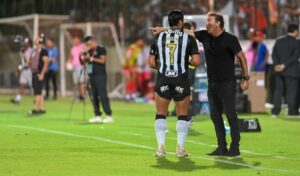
(173, 48)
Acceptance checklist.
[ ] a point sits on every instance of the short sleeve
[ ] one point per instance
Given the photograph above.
(102, 51)
(200, 35)
(44, 52)
(153, 49)
(234, 45)
(193, 46)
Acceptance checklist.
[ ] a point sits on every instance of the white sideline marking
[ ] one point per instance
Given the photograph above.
(147, 147)
(205, 144)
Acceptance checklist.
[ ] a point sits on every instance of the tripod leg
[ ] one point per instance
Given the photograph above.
(83, 115)
(70, 110)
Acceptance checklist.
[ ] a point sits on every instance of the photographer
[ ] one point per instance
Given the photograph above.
(39, 65)
(94, 58)
(24, 72)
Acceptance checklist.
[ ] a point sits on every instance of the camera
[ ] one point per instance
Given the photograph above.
(21, 41)
(85, 53)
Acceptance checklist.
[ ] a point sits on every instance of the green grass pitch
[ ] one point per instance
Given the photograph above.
(50, 145)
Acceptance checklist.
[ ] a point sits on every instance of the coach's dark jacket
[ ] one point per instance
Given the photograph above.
(287, 51)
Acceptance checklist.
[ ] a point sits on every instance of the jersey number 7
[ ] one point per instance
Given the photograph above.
(172, 47)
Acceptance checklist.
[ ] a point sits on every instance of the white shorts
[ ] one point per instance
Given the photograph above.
(78, 75)
(26, 77)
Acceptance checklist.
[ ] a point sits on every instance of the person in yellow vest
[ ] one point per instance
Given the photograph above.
(130, 68)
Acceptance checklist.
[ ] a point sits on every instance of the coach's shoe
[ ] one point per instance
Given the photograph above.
(96, 119)
(161, 152)
(108, 119)
(181, 153)
(218, 152)
(234, 153)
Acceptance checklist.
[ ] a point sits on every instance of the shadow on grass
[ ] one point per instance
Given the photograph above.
(296, 119)
(182, 165)
(233, 163)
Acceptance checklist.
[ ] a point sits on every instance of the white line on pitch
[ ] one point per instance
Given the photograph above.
(205, 144)
(146, 147)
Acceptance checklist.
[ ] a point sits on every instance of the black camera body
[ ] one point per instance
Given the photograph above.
(19, 39)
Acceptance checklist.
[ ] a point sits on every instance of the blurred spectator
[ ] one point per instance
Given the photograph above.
(53, 68)
(262, 53)
(251, 50)
(39, 67)
(273, 18)
(256, 16)
(77, 68)
(285, 56)
(143, 71)
(130, 68)
(23, 71)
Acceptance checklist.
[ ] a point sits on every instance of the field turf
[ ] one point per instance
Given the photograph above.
(53, 145)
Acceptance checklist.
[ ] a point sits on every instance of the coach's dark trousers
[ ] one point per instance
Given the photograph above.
(99, 94)
(287, 85)
(221, 97)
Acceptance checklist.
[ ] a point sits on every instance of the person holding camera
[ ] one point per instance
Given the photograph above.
(39, 66)
(24, 72)
(94, 58)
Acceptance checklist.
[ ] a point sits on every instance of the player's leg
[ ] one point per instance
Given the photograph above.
(182, 125)
(162, 105)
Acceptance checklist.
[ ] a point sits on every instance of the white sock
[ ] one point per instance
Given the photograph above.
(160, 130)
(182, 131)
(18, 97)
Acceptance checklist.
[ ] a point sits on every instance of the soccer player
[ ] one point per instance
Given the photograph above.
(220, 49)
(173, 48)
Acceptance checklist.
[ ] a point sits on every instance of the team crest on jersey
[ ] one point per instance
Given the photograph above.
(179, 89)
(164, 88)
(171, 73)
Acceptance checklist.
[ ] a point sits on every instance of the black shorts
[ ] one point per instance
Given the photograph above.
(177, 88)
(37, 85)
